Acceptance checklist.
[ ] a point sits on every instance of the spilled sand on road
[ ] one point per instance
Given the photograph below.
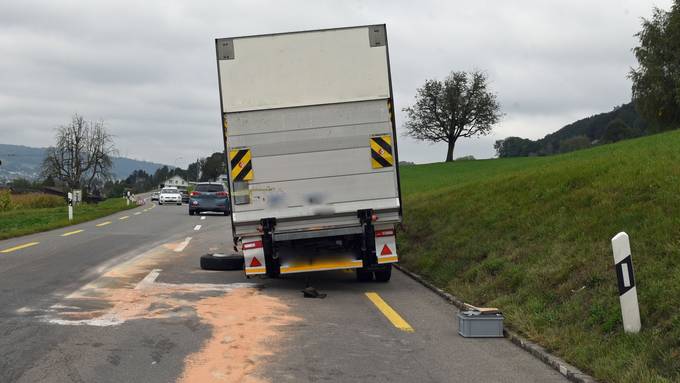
(246, 324)
(246, 327)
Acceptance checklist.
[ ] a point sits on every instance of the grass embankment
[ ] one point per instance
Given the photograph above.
(532, 237)
(22, 220)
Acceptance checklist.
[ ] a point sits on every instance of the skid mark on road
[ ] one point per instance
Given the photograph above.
(19, 247)
(389, 312)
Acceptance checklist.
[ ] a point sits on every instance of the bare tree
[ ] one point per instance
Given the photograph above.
(460, 106)
(82, 154)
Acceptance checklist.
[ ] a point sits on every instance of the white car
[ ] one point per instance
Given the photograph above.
(170, 195)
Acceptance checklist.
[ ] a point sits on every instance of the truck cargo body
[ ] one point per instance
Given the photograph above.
(310, 138)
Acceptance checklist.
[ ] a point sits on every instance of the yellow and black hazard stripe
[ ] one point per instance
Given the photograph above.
(241, 165)
(381, 151)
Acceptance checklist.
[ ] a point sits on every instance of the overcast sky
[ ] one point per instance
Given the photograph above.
(147, 68)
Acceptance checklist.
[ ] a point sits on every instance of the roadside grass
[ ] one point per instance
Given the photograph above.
(532, 237)
(22, 221)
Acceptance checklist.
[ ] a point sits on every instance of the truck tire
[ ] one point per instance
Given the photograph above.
(385, 274)
(222, 262)
(364, 275)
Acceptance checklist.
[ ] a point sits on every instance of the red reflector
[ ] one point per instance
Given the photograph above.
(252, 245)
(384, 233)
(255, 263)
(386, 250)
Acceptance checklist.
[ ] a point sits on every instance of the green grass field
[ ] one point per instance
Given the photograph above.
(532, 237)
(18, 222)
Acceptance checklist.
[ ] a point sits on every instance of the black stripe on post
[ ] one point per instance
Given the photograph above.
(383, 162)
(244, 172)
(238, 157)
(628, 261)
(386, 147)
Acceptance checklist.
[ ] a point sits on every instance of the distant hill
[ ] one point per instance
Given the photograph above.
(20, 161)
(621, 123)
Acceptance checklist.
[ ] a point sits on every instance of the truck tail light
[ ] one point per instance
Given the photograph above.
(252, 245)
(384, 233)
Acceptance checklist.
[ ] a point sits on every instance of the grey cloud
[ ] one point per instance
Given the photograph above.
(147, 68)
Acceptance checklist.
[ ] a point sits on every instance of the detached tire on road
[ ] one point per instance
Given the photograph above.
(222, 262)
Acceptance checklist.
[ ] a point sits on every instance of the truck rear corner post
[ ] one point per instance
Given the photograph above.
(310, 139)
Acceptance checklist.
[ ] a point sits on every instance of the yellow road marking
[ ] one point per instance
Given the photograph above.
(389, 312)
(72, 232)
(126, 217)
(15, 248)
(103, 224)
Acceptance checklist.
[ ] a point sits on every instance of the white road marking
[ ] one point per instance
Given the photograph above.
(197, 227)
(183, 245)
(202, 218)
(138, 213)
(149, 279)
(114, 318)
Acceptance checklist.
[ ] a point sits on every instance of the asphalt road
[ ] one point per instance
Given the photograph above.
(124, 300)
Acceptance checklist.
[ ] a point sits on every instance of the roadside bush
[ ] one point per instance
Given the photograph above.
(35, 201)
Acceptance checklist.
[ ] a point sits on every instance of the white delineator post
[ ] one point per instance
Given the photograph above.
(70, 206)
(626, 281)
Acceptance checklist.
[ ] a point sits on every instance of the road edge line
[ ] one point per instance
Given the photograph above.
(539, 352)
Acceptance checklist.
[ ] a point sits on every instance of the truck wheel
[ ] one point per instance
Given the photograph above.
(222, 262)
(364, 276)
(384, 274)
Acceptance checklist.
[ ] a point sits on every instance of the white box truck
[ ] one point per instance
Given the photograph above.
(309, 132)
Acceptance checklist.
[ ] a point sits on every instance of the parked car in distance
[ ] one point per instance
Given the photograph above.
(170, 195)
(185, 196)
(154, 196)
(209, 196)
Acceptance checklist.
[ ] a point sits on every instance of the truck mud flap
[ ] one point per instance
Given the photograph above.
(253, 256)
(386, 245)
